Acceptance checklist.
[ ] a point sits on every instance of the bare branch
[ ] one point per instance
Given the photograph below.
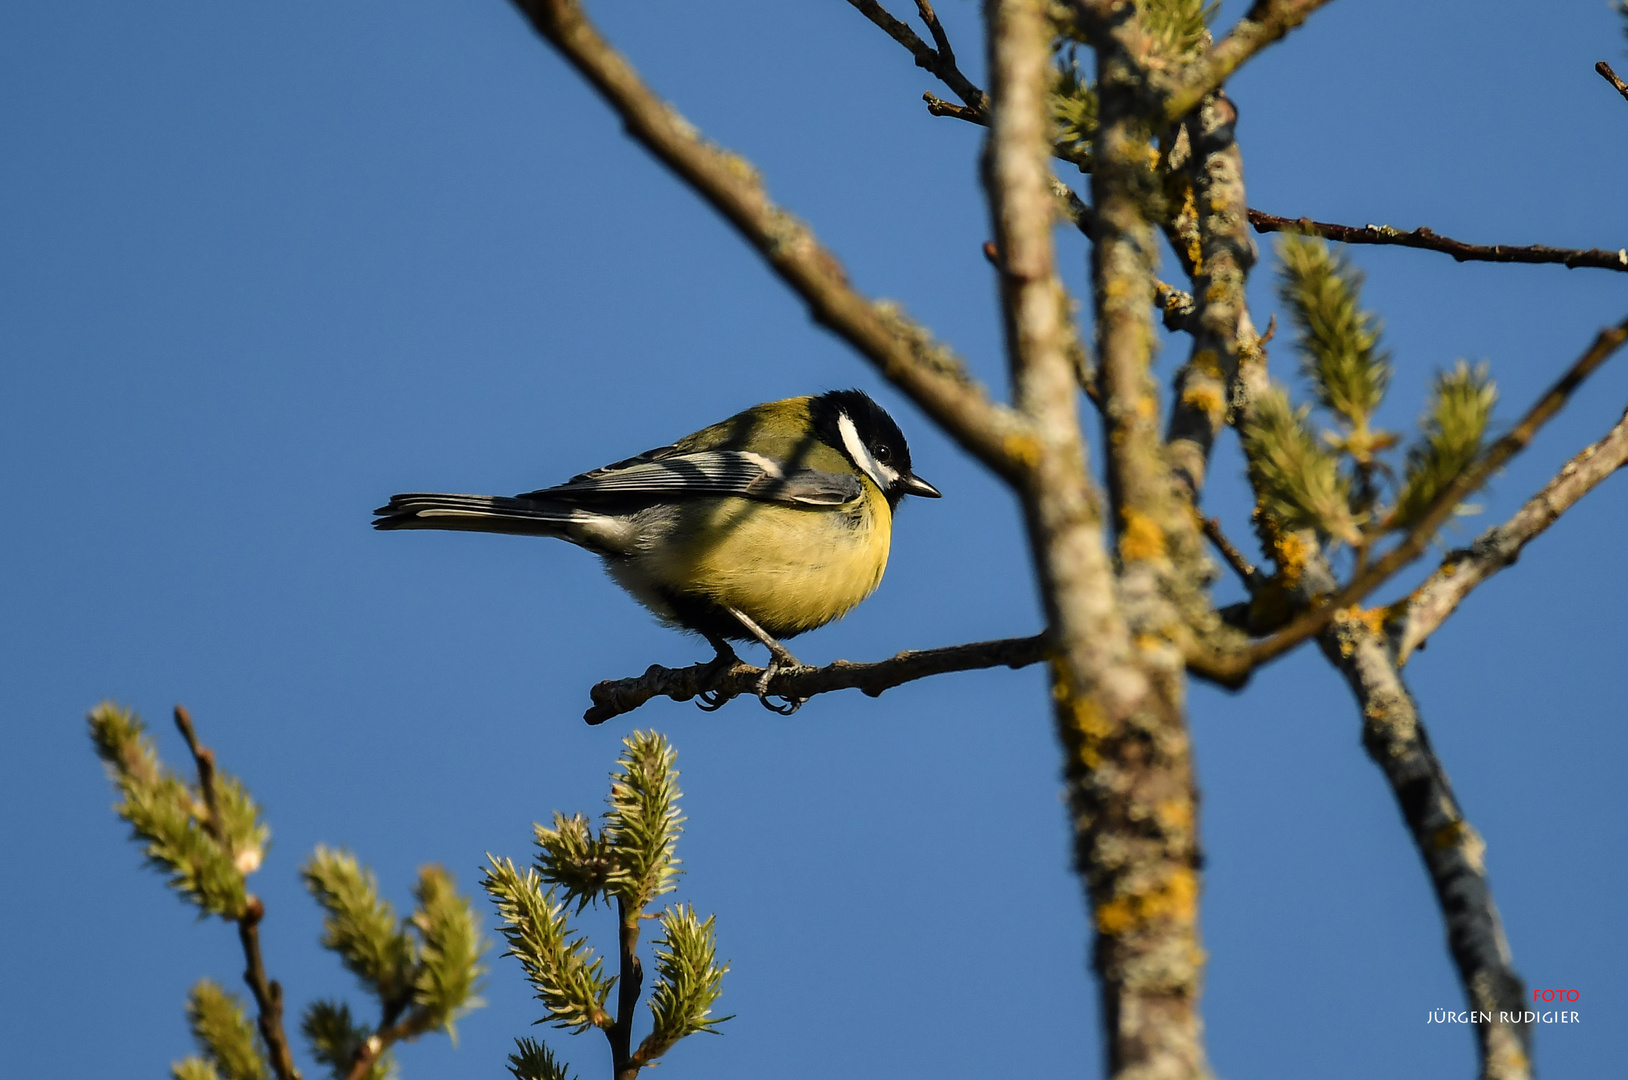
(268, 994)
(1220, 254)
(618, 696)
(1611, 77)
(1453, 852)
(899, 349)
(940, 63)
(1424, 238)
(1233, 669)
(1240, 565)
(1498, 547)
(1266, 22)
(937, 106)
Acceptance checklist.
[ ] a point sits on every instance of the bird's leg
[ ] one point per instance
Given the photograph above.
(713, 700)
(780, 659)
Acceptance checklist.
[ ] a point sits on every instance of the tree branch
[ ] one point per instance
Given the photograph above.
(1221, 257)
(628, 985)
(899, 349)
(1240, 565)
(268, 994)
(1611, 77)
(1234, 669)
(939, 63)
(1266, 22)
(1453, 852)
(1498, 547)
(1424, 238)
(615, 697)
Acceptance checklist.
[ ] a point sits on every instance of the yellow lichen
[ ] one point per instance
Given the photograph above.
(1206, 398)
(1081, 714)
(1175, 815)
(1447, 836)
(1207, 362)
(1372, 618)
(1175, 900)
(1142, 539)
(1023, 449)
(1290, 553)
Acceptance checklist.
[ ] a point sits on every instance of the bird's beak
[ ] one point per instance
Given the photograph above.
(915, 485)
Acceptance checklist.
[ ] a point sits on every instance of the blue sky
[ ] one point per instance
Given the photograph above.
(266, 265)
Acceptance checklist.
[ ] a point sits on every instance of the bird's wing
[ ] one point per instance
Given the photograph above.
(668, 473)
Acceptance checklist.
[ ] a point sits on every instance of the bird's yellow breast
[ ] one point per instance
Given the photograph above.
(789, 569)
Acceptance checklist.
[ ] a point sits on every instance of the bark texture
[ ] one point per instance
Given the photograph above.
(1453, 852)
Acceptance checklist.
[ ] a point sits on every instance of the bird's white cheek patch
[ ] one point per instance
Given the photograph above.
(881, 474)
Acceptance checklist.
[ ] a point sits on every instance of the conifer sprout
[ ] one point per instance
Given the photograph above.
(1454, 426)
(170, 818)
(630, 862)
(534, 1061)
(1179, 28)
(561, 967)
(688, 978)
(335, 1040)
(360, 926)
(230, 1048)
(1338, 341)
(422, 970)
(1073, 103)
(207, 837)
(1299, 482)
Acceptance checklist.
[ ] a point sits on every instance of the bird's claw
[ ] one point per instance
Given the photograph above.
(715, 699)
(777, 664)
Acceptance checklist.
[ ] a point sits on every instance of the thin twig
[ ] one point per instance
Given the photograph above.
(1266, 22)
(940, 63)
(1240, 565)
(1424, 238)
(615, 697)
(1498, 547)
(268, 995)
(1233, 670)
(1453, 853)
(1611, 77)
(900, 350)
(628, 985)
(937, 106)
(204, 760)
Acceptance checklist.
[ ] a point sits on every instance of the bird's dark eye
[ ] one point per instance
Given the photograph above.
(884, 454)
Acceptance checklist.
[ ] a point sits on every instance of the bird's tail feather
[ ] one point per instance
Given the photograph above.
(478, 513)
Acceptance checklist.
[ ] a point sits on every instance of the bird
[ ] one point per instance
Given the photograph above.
(764, 526)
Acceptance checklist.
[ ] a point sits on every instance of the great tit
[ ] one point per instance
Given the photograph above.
(774, 522)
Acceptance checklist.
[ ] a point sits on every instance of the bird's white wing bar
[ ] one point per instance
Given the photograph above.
(706, 472)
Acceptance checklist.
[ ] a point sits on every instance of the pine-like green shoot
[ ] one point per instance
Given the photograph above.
(449, 952)
(1299, 483)
(559, 964)
(534, 1061)
(226, 1039)
(688, 979)
(643, 823)
(1179, 28)
(1338, 341)
(335, 1038)
(1073, 104)
(169, 818)
(1453, 427)
(360, 925)
(193, 1068)
(571, 857)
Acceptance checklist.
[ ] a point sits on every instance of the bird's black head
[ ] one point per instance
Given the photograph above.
(850, 421)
